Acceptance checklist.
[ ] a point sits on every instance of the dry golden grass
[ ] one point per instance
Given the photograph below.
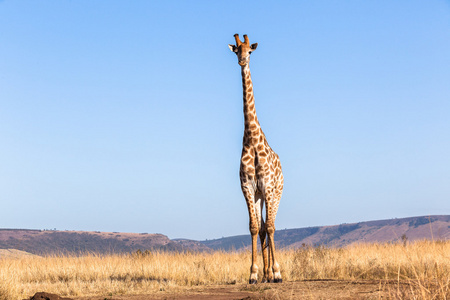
(419, 270)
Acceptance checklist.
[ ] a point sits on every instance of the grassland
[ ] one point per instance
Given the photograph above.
(419, 270)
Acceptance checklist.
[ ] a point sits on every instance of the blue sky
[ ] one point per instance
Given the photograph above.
(127, 116)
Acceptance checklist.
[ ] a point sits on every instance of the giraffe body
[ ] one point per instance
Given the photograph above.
(260, 174)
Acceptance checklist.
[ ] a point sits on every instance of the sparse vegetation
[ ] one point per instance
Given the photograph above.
(419, 270)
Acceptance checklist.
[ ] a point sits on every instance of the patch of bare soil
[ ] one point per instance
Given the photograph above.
(319, 289)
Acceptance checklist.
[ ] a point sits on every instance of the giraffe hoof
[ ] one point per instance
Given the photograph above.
(264, 280)
(279, 280)
(252, 281)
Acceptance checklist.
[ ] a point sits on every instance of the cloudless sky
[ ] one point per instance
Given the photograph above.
(127, 115)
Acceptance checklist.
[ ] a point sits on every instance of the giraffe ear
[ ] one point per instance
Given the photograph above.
(253, 46)
(233, 48)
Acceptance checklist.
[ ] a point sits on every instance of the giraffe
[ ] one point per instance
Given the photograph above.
(260, 174)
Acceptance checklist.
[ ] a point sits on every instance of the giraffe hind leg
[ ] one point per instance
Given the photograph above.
(263, 238)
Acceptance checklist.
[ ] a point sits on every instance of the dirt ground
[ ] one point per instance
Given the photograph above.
(320, 289)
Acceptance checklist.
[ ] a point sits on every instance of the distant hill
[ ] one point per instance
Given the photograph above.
(414, 228)
(13, 253)
(44, 242)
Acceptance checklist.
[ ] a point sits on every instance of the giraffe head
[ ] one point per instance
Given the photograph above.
(243, 49)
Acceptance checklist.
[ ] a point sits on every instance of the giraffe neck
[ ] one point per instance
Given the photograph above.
(252, 126)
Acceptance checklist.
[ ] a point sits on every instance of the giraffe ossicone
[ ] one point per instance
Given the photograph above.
(260, 174)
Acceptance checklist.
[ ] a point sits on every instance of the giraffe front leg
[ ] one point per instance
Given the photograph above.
(274, 274)
(276, 202)
(254, 268)
(275, 266)
(254, 229)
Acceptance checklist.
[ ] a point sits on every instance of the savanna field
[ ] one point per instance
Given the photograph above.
(416, 270)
